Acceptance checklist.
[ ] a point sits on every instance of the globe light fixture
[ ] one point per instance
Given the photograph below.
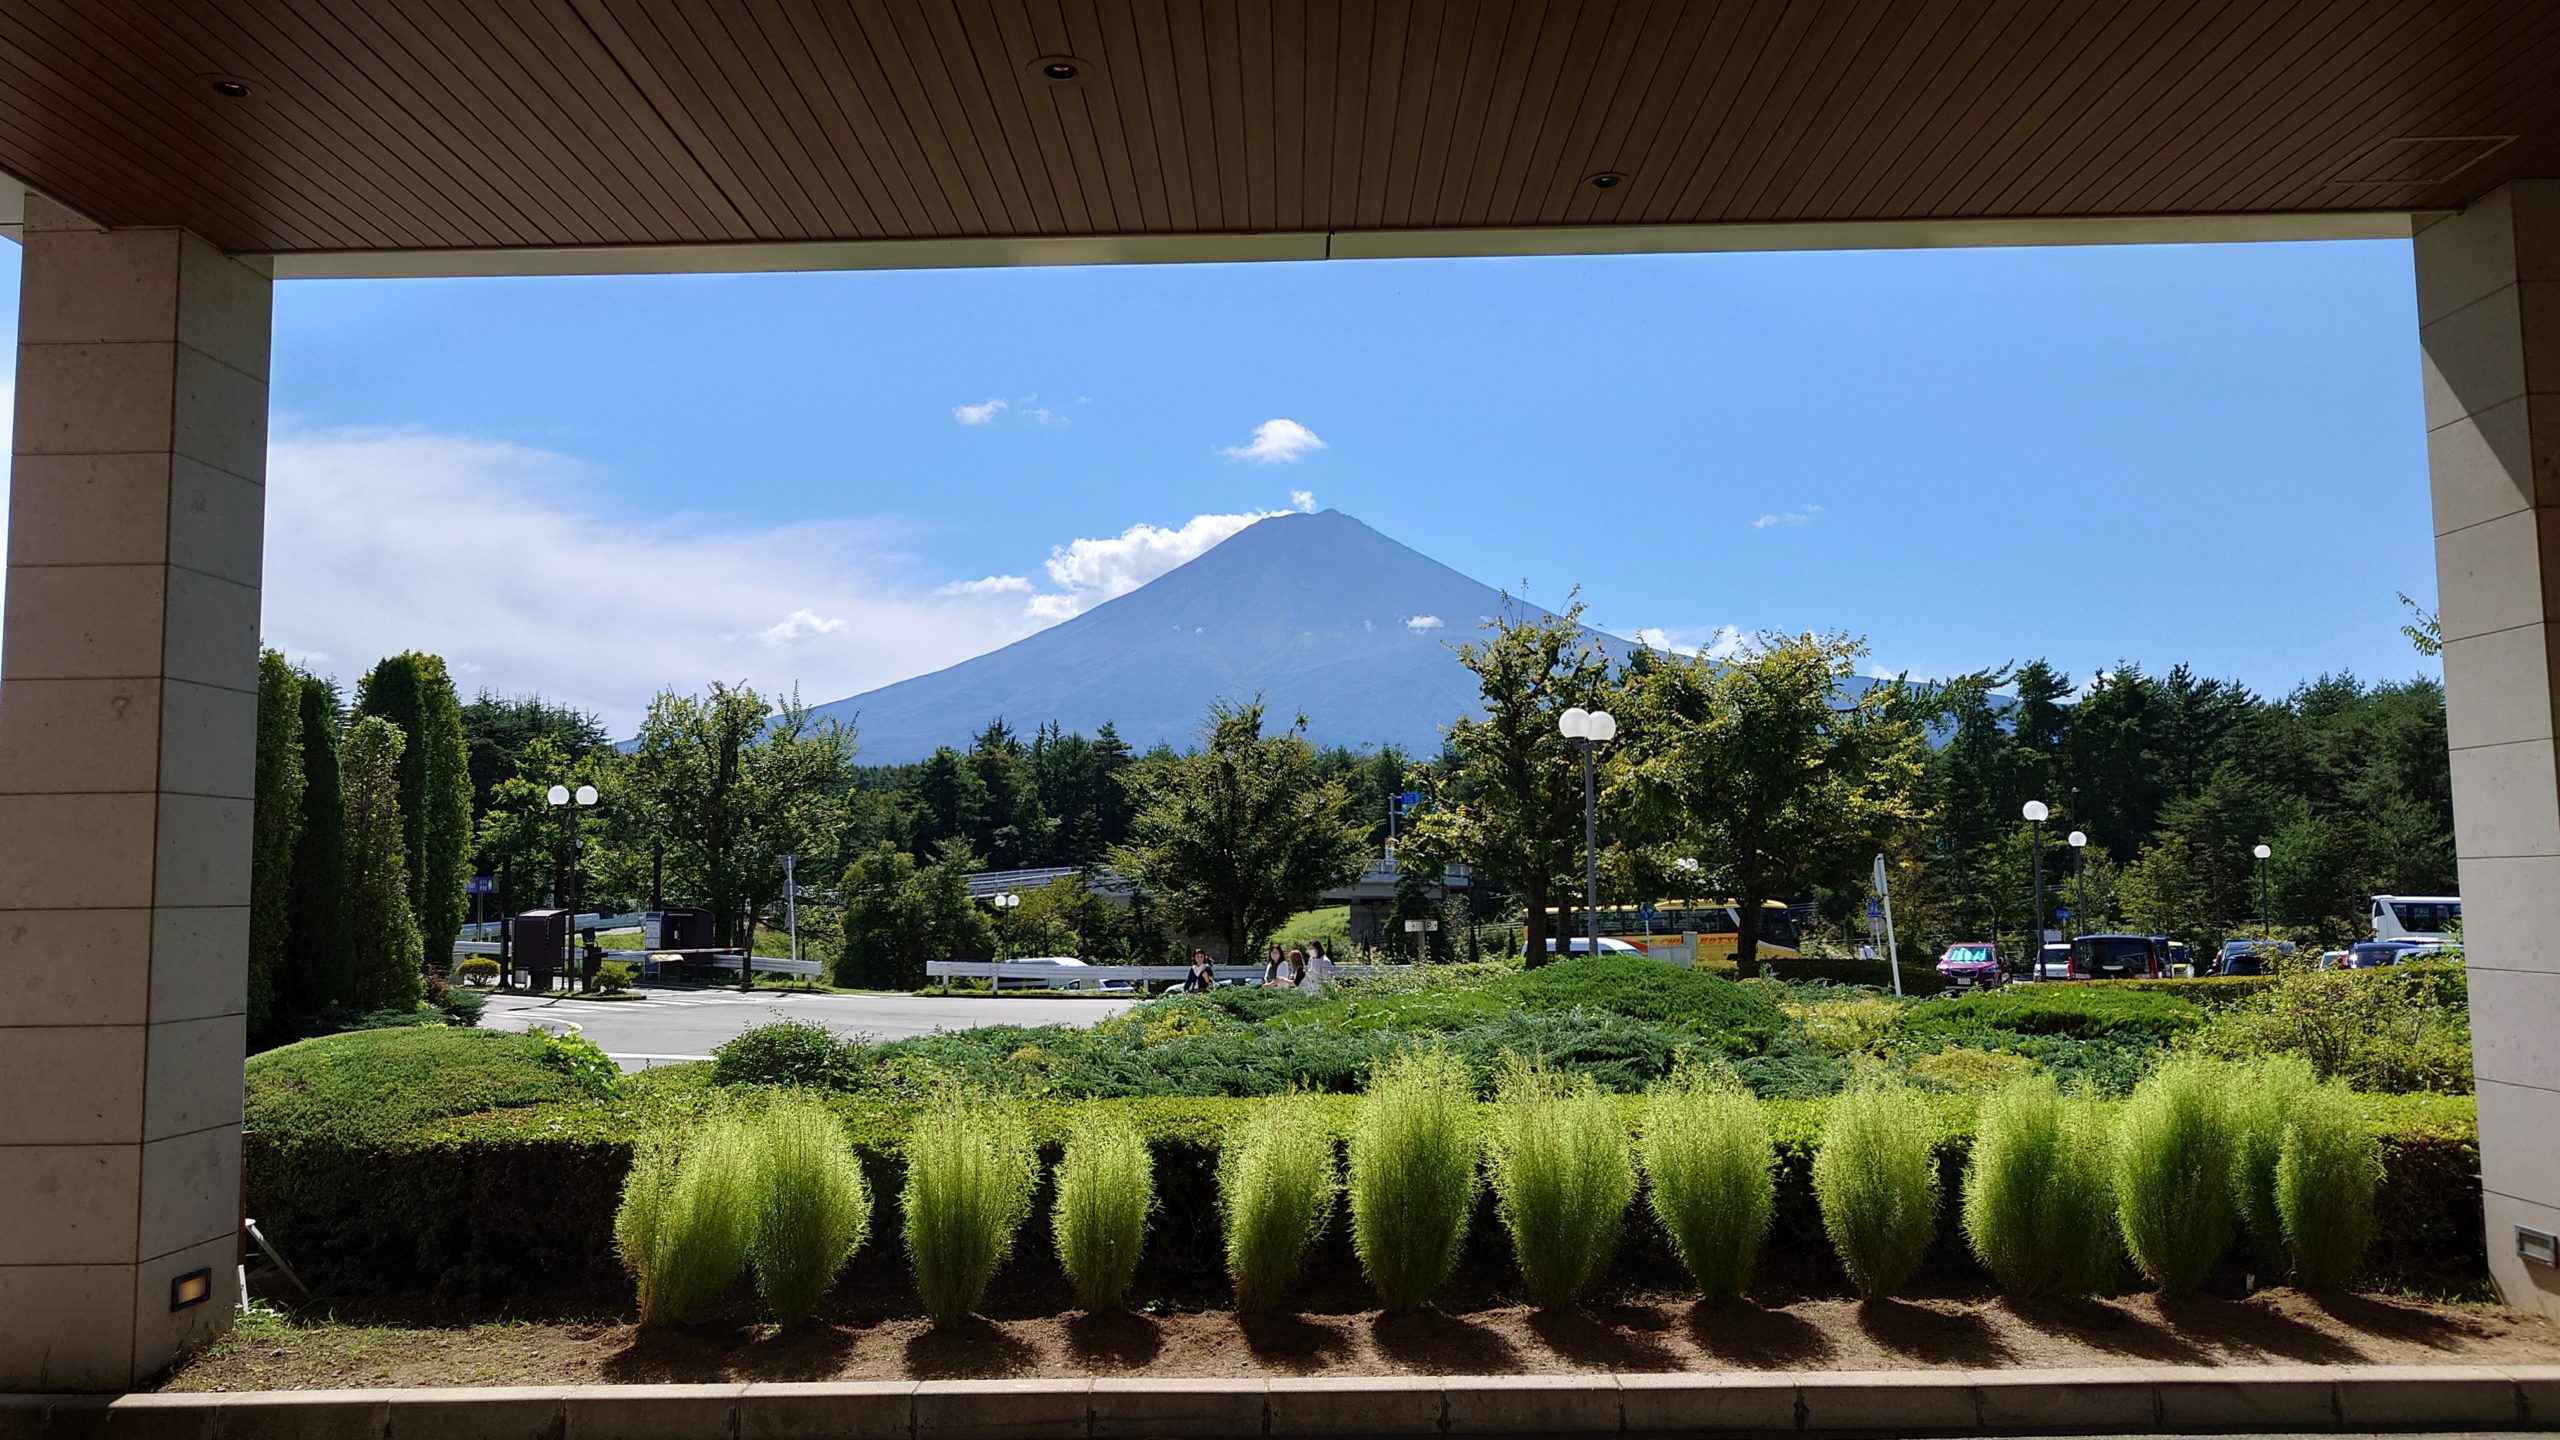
(1587, 728)
(2080, 903)
(2035, 812)
(557, 795)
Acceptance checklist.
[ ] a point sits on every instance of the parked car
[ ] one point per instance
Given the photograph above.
(2380, 954)
(1045, 972)
(1581, 945)
(2250, 957)
(2053, 962)
(2334, 959)
(2119, 957)
(1972, 965)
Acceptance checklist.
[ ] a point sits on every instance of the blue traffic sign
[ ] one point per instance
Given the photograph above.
(2061, 914)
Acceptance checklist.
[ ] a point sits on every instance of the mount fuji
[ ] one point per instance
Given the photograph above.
(1318, 614)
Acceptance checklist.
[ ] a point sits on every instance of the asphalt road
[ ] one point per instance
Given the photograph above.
(673, 1026)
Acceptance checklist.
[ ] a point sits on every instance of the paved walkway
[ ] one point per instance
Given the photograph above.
(673, 1026)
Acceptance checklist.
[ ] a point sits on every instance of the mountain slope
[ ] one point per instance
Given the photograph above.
(1317, 613)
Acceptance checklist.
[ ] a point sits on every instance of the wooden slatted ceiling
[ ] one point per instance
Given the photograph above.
(393, 125)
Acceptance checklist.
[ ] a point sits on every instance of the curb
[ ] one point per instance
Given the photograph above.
(2284, 1399)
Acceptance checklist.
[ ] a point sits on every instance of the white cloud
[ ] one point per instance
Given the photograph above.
(1424, 624)
(799, 625)
(990, 585)
(1788, 517)
(1088, 572)
(583, 627)
(1716, 642)
(978, 414)
(1303, 501)
(1276, 442)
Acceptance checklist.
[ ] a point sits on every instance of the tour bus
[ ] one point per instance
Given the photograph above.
(1716, 923)
(2416, 917)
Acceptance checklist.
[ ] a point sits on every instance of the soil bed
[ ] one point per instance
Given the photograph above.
(1668, 1334)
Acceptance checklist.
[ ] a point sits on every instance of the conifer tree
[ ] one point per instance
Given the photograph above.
(314, 967)
(275, 821)
(414, 692)
(383, 934)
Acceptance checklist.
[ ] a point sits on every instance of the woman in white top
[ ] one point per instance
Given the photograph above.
(1319, 967)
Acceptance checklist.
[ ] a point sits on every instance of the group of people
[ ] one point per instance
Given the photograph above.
(1292, 968)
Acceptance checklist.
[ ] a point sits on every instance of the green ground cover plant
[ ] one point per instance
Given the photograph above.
(1876, 1179)
(1710, 1175)
(812, 1206)
(687, 1218)
(2387, 1031)
(1562, 1175)
(2039, 1199)
(1413, 1175)
(1105, 1196)
(2173, 1172)
(2327, 1174)
(970, 1173)
(1278, 1185)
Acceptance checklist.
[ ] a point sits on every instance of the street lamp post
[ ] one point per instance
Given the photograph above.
(2262, 851)
(568, 803)
(1587, 728)
(2035, 811)
(2080, 884)
(1004, 904)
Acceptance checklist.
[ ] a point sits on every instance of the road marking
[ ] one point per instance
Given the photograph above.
(613, 1055)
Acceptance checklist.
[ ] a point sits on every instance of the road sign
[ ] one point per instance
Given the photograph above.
(1417, 927)
(1646, 913)
(1875, 911)
(2059, 913)
(481, 885)
(1409, 799)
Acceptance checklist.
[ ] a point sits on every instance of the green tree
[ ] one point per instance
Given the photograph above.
(414, 692)
(1235, 838)
(1747, 764)
(275, 825)
(497, 729)
(898, 914)
(1511, 802)
(315, 970)
(383, 933)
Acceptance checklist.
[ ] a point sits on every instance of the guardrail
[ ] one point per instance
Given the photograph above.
(1077, 977)
(765, 964)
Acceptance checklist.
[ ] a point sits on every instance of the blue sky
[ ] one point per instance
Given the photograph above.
(2204, 453)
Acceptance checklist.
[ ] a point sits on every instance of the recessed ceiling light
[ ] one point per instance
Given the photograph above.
(1062, 70)
(1607, 180)
(231, 89)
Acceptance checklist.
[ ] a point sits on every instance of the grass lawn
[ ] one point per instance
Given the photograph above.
(1329, 924)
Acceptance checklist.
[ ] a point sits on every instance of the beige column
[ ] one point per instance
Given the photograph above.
(128, 694)
(2489, 326)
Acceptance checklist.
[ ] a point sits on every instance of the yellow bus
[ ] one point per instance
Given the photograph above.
(1716, 923)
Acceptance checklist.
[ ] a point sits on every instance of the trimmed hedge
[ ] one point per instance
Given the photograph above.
(1919, 977)
(514, 1198)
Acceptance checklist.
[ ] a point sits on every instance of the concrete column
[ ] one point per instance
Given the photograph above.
(2489, 324)
(128, 697)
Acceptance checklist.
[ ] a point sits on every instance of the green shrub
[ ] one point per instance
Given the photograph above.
(1738, 1019)
(1413, 1179)
(614, 977)
(1918, 977)
(2326, 1178)
(687, 1217)
(583, 1061)
(2039, 1202)
(970, 1171)
(2088, 1010)
(786, 1052)
(1106, 1192)
(1876, 1180)
(462, 1007)
(1277, 1186)
(1562, 1177)
(2259, 1105)
(2173, 1172)
(1711, 1174)
(812, 1205)
(477, 970)
(2392, 1031)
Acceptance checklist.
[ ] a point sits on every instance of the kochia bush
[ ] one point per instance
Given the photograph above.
(2327, 1173)
(687, 1216)
(2173, 1171)
(1562, 1177)
(970, 1171)
(1278, 1184)
(2258, 1108)
(1876, 1179)
(1106, 1191)
(812, 1205)
(2039, 1201)
(1413, 1175)
(1711, 1174)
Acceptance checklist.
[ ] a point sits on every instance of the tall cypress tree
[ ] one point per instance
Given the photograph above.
(315, 972)
(414, 692)
(275, 822)
(383, 952)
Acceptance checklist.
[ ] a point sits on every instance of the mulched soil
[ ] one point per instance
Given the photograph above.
(1642, 1334)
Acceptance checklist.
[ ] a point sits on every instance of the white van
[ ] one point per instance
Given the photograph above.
(2416, 917)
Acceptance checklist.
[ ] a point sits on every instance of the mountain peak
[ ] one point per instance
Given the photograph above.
(1316, 613)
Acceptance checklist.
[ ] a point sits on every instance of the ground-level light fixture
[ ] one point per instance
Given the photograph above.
(193, 1288)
